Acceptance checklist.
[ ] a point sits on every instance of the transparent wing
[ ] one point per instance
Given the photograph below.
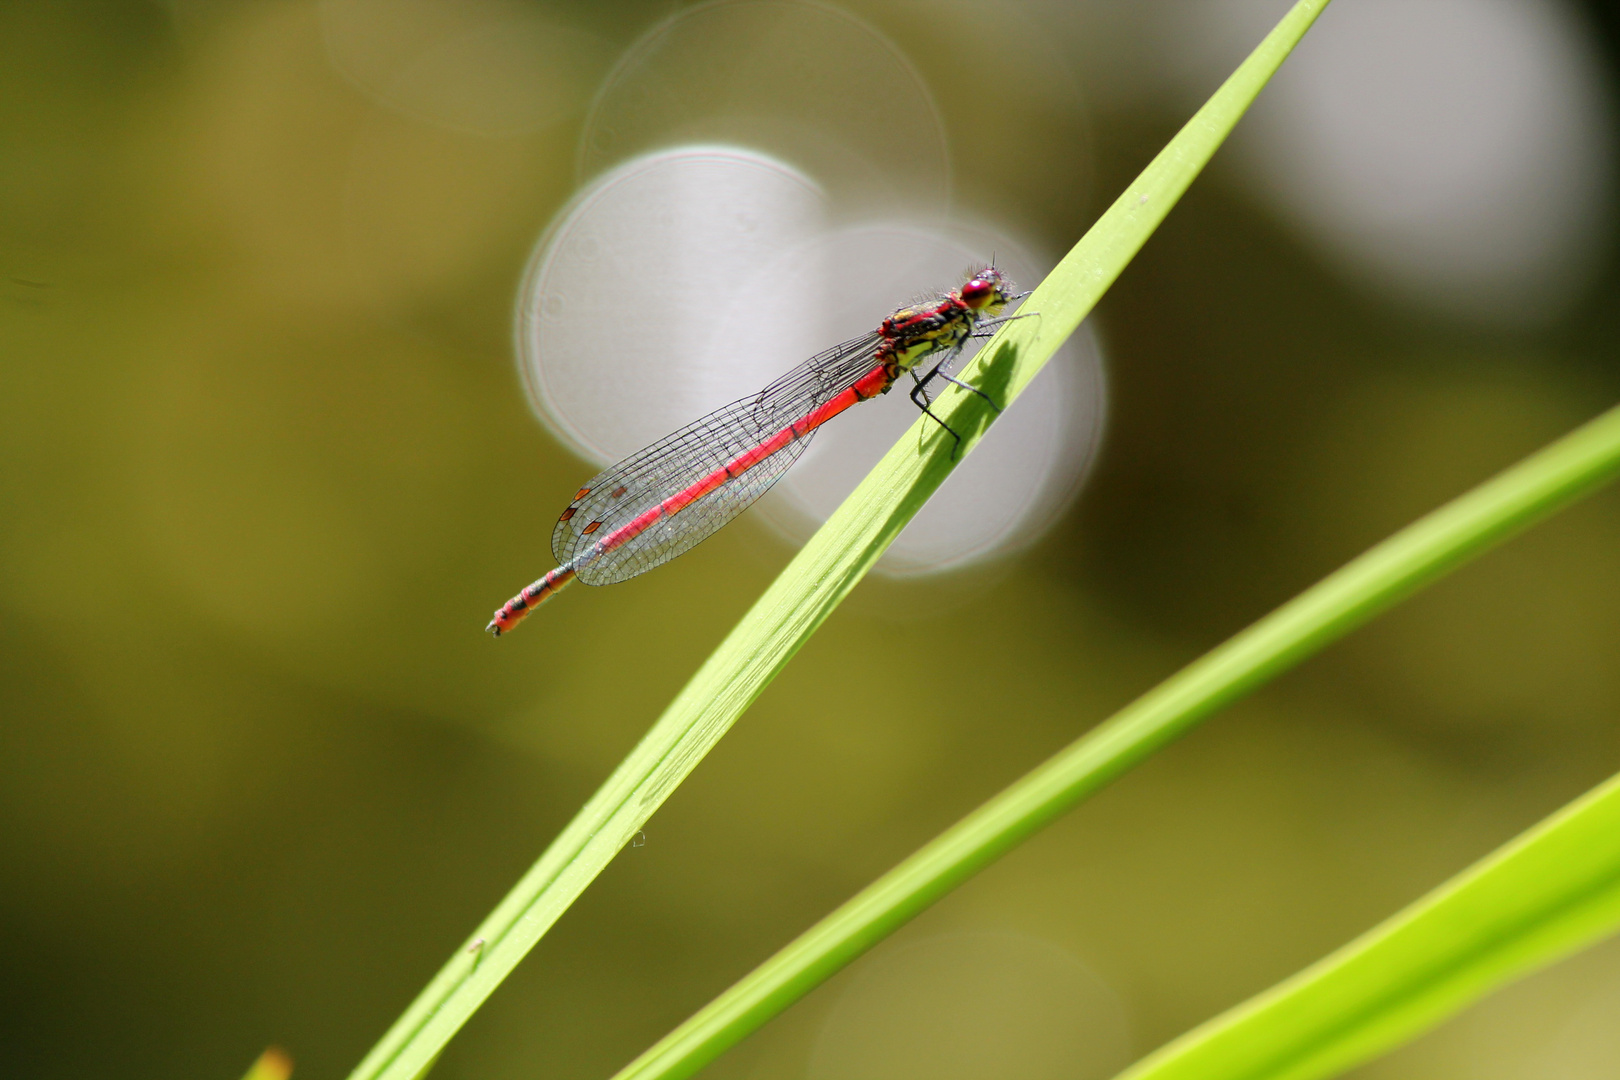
(644, 481)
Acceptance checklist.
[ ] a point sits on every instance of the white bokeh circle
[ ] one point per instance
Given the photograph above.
(1457, 153)
(616, 317)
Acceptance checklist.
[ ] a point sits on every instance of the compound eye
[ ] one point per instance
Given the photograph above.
(976, 292)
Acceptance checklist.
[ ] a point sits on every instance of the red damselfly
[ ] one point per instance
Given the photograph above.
(662, 501)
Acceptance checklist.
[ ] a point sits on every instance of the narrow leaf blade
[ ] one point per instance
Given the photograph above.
(1551, 891)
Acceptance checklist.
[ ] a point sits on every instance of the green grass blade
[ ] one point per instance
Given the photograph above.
(817, 580)
(1416, 555)
(1553, 890)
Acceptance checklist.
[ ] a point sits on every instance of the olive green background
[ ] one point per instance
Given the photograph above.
(260, 771)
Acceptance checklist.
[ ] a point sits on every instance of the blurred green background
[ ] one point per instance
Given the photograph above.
(266, 466)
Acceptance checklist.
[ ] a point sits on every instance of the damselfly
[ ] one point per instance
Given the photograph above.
(662, 501)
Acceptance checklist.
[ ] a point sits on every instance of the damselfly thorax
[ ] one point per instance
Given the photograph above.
(912, 334)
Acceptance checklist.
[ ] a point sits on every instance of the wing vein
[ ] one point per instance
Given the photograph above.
(623, 541)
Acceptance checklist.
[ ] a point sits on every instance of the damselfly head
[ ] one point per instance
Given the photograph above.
(988, 290)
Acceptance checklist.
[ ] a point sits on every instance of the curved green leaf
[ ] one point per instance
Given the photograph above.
(1553, 890)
